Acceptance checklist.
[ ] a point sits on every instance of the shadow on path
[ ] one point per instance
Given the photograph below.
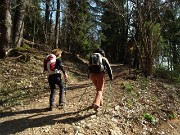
(7, 114)
(18, 125)
(74, 87)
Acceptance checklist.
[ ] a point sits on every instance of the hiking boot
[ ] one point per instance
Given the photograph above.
(95, 107)
(52, 107)
(62, 104)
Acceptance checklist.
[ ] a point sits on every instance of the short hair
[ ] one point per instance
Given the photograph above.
(56, 52)
(101, 51)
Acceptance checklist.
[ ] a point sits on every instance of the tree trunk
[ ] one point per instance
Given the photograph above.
(5, 27)
(175, 56)
(18, 24)
(47, 22)
(57, 29)
(149, 66)
(71, 19)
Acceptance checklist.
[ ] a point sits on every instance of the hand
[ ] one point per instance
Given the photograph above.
(65, 76)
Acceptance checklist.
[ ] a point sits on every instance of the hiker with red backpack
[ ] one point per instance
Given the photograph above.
(53, 65)
(98, 65)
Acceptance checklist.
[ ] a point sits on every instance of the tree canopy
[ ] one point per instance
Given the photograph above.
(143, 34)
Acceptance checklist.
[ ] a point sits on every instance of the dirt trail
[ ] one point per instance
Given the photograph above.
(35, 118)
(75, 119)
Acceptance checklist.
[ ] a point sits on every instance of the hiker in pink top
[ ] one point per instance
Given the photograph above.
(97, 67)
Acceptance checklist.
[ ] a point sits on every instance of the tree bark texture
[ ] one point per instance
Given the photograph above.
(57, 26)
(47, 21)
(18, 23)
(5, 27)
(146, 22)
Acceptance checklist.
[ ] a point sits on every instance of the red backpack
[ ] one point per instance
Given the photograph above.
(50, 62)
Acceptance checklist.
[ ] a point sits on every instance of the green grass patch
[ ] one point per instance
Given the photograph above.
(128, 87)
(13, 94)
(143, 83)
(172, 115)
(148, 117)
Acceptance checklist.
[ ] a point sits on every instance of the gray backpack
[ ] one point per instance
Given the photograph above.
(96, 63)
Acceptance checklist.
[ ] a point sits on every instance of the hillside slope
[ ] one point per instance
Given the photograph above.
(132, 107)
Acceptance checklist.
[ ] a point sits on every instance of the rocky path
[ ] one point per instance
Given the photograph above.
(120, 115)
(74, 118)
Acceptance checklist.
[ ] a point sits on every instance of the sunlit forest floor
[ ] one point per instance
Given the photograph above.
(132, 105)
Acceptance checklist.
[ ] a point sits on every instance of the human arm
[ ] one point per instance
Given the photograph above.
(108, 68)
(59, 66)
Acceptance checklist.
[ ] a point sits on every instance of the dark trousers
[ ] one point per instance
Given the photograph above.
(55, 79)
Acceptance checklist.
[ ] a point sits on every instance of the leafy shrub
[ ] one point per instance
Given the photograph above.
(162, 73)
(143, 83)
(128, 87)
